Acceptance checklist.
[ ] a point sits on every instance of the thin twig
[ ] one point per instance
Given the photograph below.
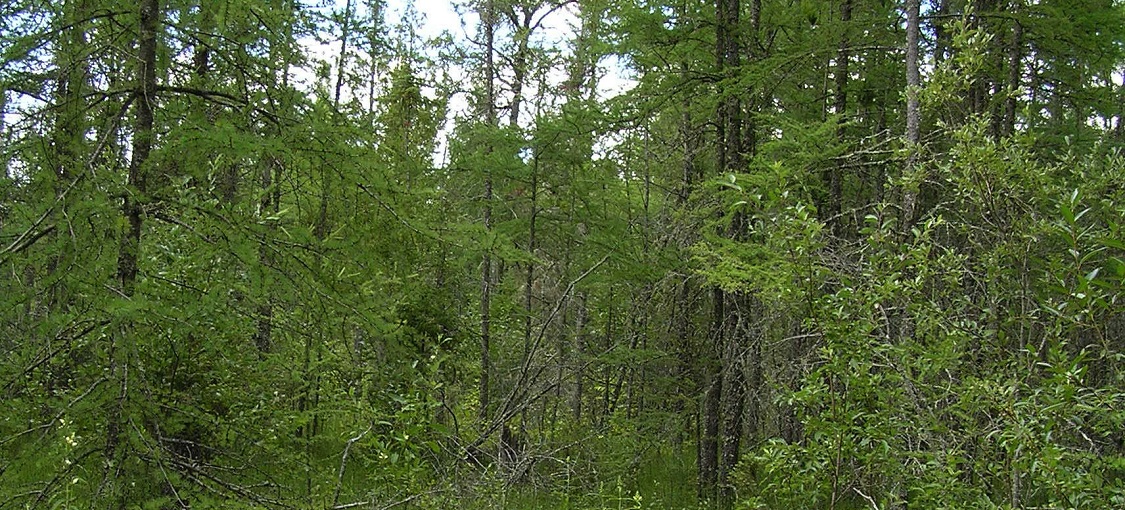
(865, 496)
(390, 505)
(344, 461)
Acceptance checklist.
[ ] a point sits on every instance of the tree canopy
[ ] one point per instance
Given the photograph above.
(816, 254)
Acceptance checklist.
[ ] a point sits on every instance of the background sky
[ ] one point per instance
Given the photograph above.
(433, 19)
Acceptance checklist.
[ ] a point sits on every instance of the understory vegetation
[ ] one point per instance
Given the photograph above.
(615, 254)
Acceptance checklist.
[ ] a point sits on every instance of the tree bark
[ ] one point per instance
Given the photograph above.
(269, 179)
(132, 208)
(68, 136)
(263, 333)
(724, 393)
(1015, 71)
(913, 110)
(580, 321)
(941, 33)
(734, 395)
(342, 59)
(488, 19)
(913, 77)
(731, 333)
(522, 25)
(142, 146)
(709, 440)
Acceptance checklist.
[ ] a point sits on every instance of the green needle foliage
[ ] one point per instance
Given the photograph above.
(284, 255)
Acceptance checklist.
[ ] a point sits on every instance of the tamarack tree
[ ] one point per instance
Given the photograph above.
(829, 254)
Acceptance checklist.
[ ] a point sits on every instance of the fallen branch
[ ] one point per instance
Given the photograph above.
(344, 461)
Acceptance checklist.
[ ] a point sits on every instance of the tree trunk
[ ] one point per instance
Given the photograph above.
(142, 146)
(522, 24)
(913, 78)
(342, 59)
(579, 348)
(709, 440)
(978, 88)
(1015, 71)
(733, 397)
(836, 194)
(129, 249)
(68, 136)
(941, 33)
(488, 19)
(913, 110)
(725, 392)
(263, 334)
(529, 280)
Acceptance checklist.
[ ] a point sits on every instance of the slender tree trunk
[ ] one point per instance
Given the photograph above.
(840, 106)
(583, 64)
(70, 85)
(724, 341)
(263, 334)
(913, 110)
(310, 397)
(129, 249)
(142, 146)
(978, 88)
(941, 34)
(579, 347)
(5, 158)
(642, 375)
(1015, 71)
(729, 123)
(734, 399)
(581, 79)
(342, 59)
(374, 33)
(685, 310)
(685, 305)
(1119, 130)
(734, 392)
(913, 77)
(995, 81)
(488, 19)
(68, 136)
(709, 442)
(529, 281)
(730, 336)
(607, 344)
(879, 175)
(913, 140)
(522, 22)
(270, 181)
(228, 176)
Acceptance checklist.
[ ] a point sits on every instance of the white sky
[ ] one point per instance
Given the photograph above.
(436, 18)
(439, 17)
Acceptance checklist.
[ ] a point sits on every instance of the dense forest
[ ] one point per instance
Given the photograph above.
(835, 254)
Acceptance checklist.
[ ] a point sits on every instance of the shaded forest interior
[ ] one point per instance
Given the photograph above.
(833, 254)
